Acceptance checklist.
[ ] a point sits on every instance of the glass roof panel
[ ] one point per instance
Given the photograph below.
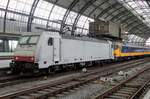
(3, 3)
(2, 13)
(71, 17)
(82, 21)
(140, 7)
(43, 9)
(57, 13)
(23, 6)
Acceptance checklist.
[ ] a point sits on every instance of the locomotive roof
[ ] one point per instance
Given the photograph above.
(84, 38)
(30, 33)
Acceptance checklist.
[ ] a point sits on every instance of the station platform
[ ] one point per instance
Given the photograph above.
(5, 60)
(4, 63)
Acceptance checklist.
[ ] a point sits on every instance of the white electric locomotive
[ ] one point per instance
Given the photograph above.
(52, 51)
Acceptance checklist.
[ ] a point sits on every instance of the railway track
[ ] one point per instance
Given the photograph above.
(55, 87)
(13, 80)
(131, 88)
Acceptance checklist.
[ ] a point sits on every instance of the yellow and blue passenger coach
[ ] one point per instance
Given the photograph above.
(131, 51)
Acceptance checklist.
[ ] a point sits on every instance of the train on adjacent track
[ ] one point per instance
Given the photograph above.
(50, 51)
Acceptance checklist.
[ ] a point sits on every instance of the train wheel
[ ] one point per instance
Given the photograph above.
(50, 70)
(76, 66)
(14, 71)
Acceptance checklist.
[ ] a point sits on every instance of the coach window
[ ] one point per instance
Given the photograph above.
(50, 41)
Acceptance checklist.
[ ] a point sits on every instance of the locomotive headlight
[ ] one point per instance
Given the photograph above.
(32, 58)
(16, 58)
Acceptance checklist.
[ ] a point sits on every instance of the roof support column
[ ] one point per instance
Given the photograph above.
(93, 12)
(89, 3)
(67, 13)
(47, 24)
(4, 22)
(30, 19)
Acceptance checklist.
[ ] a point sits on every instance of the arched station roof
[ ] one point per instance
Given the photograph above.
(32, 15)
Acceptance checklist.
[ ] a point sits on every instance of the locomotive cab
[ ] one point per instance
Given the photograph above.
(35, 51)
(24, 54)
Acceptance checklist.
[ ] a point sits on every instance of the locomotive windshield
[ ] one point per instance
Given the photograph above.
(28, 40)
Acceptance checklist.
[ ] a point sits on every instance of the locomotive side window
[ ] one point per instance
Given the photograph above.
(33, 39)
(50, 41)
(24, 40)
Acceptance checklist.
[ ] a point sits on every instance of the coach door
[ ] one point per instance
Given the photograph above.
(56, 50)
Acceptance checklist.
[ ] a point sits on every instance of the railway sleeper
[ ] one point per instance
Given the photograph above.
(23, 97)
(64, 88)
(133, 85)
(114, 97)
(121, 94)
(107, 98)
(39, 95)
(124, 92)
(129, 88)
(49, 92)
(89, 78)
(67, 87)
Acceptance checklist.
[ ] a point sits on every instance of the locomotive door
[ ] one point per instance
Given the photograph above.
(56, 50)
